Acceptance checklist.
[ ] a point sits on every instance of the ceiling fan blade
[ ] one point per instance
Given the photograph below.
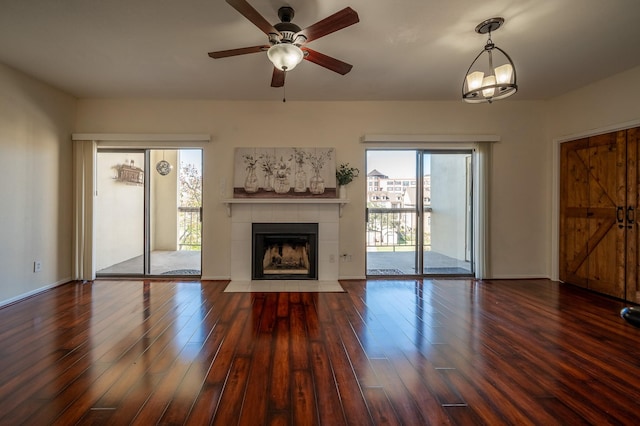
(330, 24)
(327, 61)
(277, 80)
(235, 52)
(253, 15)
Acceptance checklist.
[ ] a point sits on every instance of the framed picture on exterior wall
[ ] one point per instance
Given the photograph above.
(284, 173)
(128, 173)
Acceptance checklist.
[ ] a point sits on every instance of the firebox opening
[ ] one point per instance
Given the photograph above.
(286, 255)
(284, 251)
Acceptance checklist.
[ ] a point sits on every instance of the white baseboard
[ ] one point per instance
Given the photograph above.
(519, 277)
(216, 278)
(34, 292)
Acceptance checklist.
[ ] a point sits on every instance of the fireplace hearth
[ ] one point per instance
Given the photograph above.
(284, 251)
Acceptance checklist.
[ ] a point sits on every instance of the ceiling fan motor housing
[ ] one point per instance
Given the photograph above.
(288, 29)
(286, 13)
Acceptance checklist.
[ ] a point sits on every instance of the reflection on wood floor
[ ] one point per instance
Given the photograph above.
(406, 352)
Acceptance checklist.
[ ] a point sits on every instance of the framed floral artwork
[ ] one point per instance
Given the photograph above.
(284, 173)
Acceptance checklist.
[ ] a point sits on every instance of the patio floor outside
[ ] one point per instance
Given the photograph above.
(403, 263)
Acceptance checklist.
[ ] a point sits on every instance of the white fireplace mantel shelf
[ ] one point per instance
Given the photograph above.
(341, 202)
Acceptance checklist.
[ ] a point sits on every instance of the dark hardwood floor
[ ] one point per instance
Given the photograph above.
(384, 352)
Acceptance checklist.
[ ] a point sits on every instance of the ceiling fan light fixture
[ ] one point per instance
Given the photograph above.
(285, 56)
(485, 82)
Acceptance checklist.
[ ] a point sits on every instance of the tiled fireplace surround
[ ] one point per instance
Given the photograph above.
(325, 215)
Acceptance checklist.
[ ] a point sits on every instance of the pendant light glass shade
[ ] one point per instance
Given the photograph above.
(285, 56)
(504, 73)
(484, 81)
(474, 80)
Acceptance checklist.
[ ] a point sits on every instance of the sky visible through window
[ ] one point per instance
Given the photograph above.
(192, 156)
(395, 164)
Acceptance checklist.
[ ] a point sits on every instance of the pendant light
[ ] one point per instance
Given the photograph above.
(492, 75)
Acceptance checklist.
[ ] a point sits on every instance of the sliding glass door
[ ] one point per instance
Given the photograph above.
(148, 212)
(419, 212)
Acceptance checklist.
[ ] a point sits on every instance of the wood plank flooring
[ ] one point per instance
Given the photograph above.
(403, 352)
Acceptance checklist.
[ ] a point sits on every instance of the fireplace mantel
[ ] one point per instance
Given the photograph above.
(340, 202)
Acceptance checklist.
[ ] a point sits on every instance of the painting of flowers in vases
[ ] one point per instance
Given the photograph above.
(284, 173)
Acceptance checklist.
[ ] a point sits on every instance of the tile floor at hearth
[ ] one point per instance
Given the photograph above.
(302, 286)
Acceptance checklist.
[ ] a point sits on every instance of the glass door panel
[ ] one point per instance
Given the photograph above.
(447, 213)
(392, 225)
(119, 213)
(175, 215)
(190, 209)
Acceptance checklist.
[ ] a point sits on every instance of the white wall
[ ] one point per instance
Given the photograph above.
(36, 122)
(601, 105)
(520, 202)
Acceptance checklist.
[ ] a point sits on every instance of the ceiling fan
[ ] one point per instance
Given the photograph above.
(287, 41)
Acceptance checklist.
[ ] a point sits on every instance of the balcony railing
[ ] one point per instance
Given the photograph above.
(395, 229)
(189, 228)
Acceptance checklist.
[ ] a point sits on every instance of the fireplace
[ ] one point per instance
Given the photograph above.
(284, 251)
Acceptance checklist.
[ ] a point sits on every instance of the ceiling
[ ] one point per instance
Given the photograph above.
(409, 50)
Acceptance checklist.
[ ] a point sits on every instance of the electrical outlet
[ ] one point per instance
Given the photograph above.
(345, 258)
(37, 266)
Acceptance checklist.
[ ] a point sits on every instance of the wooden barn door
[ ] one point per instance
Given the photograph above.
(593, 213)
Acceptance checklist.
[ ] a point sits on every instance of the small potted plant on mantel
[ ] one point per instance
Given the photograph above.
(344, 175)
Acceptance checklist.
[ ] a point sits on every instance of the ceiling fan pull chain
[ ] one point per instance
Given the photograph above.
(284, 90)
